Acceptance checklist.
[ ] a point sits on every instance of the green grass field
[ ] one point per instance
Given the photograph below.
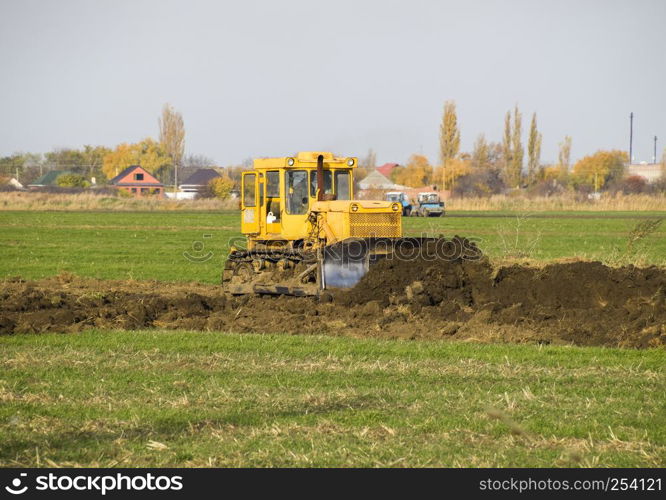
(219, 399)
(158, 398)
(150, 245)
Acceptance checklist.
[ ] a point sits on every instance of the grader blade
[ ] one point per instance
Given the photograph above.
(344, 264)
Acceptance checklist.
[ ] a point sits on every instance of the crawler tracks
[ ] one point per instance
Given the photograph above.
(302, 272)
(271, 272)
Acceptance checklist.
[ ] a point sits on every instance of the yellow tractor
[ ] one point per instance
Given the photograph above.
(304, 230)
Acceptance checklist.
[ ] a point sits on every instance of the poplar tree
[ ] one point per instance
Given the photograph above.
(507, 150)
(517, 150)
(481, 152)
(172, 137)
(449, 138)
(564, 159)
(533, 150)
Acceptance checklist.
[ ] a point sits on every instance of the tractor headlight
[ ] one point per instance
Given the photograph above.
(290, 162)
(350, 162)
(395, 207)
(354, 207)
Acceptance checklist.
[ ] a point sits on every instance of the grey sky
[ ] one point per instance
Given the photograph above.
(270, 78)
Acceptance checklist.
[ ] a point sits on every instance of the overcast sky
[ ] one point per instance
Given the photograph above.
(269, 78)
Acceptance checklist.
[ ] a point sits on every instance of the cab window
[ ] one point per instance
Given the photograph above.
(342, 191)
(328, 183)
(297, 192)
(273, 184)
(273, 194)
(248, 190)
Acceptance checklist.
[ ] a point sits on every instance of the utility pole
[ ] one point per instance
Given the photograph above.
(654, 152)
(631, 137)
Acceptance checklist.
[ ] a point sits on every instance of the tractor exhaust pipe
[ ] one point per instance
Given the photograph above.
(320, 178)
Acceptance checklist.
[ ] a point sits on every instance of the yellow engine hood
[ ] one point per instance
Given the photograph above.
(345, 206)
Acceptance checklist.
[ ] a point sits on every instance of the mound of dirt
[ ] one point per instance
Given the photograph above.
(581, 303)
(584, 303)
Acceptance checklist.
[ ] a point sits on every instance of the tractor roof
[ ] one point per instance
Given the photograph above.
(306, 159)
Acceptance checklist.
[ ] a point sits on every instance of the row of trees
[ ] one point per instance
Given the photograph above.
(86, 161)
(495, 167)
(161, 157)
(490, 168)
(506, 157)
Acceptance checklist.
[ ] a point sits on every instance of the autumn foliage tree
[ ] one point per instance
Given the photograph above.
(172, 136)
(147, 153)
(564, 159)
(221, 187)
(480, 153)
(507, 149)
(512, 147)
(598, 170)
(549, 173)
(533, 151)
(456, 168)
(449, 140)
(417, 173)
(517, 147)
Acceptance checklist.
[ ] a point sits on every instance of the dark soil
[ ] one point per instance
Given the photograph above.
(581, 303)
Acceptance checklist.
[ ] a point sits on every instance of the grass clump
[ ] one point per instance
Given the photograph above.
(636, 246)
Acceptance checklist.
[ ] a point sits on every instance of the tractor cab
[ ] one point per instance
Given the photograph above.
(400, 197)
(279, 193)
(429, 205)
(395, 196)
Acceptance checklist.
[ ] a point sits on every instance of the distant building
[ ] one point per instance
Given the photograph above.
(386, 169)
(47, 180)
(376, 180)
(651, 172)
(197, 183)
(138, 181)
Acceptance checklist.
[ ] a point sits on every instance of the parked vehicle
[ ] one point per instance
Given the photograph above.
(399, 197)
(429, 205)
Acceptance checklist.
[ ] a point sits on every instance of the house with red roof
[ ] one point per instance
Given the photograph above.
(138, 181)
(386, 169)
